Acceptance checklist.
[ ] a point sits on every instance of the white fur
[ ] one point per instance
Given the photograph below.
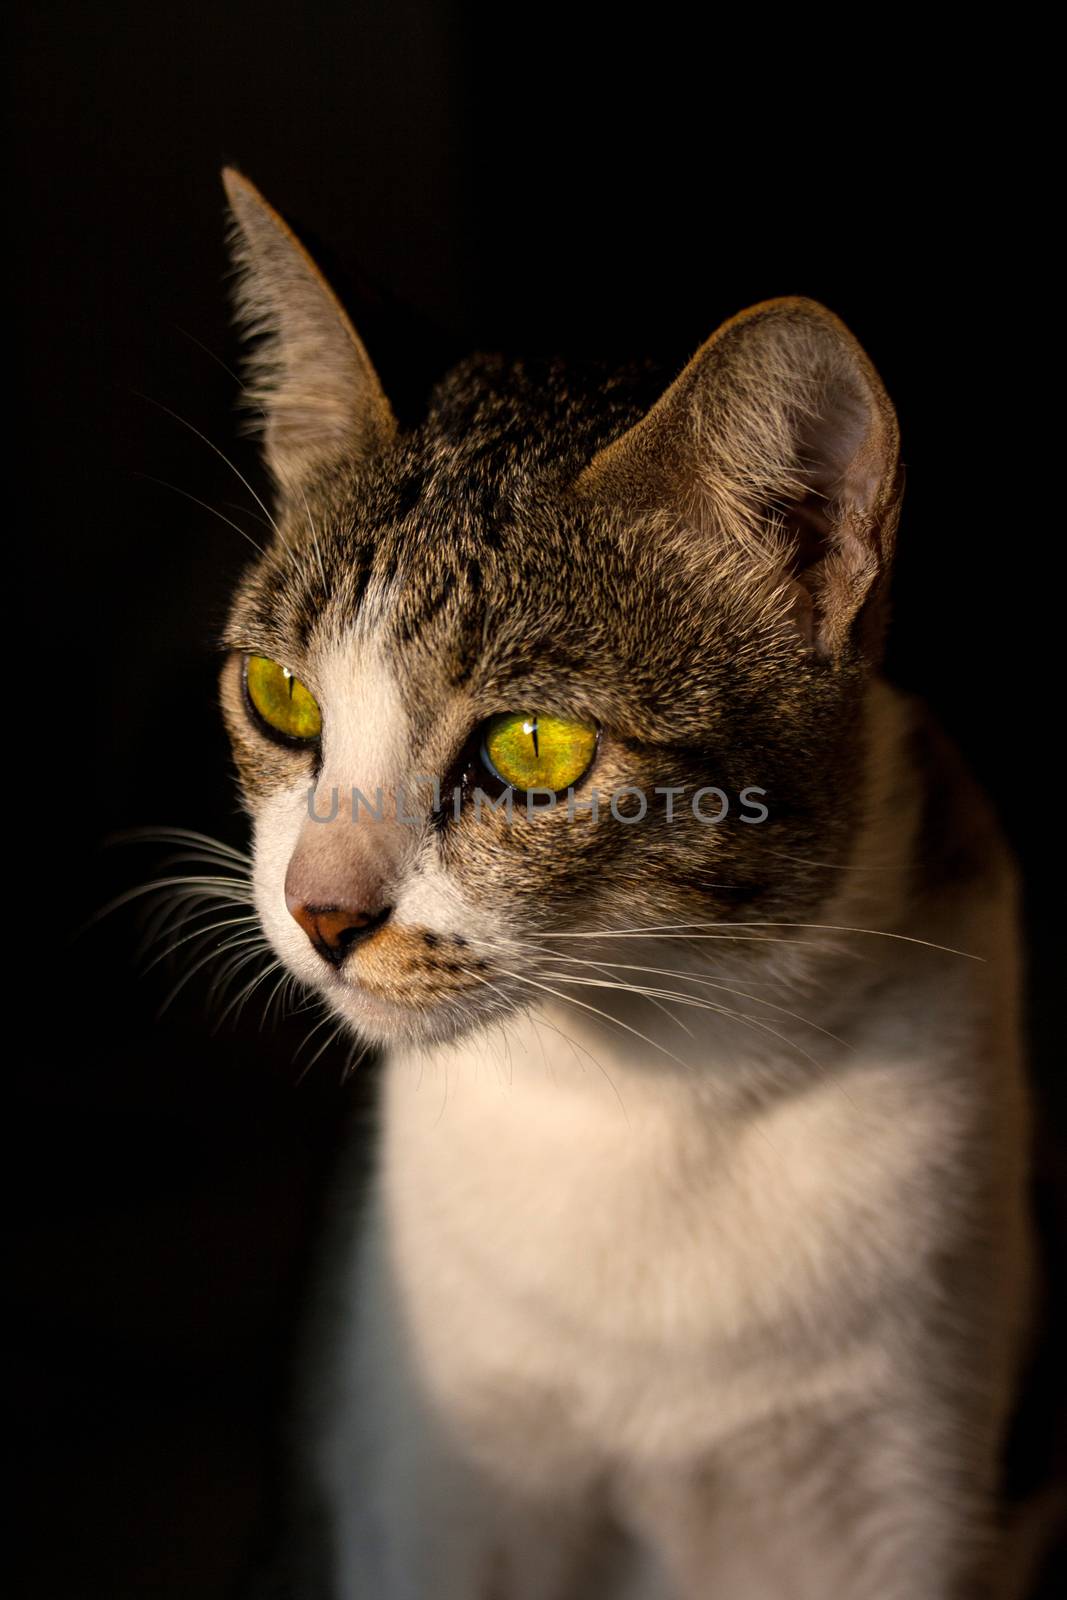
(624, 1323)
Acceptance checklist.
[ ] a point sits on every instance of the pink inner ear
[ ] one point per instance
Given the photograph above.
(830, 446)
(829, 566)
(830, 450)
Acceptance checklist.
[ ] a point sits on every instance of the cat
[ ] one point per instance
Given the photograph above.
(695, 1260)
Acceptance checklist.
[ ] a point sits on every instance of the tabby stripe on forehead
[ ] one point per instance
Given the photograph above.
(467, 655)
(358, 579)
(432, 600)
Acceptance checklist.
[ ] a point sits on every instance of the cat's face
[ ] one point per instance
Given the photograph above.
(665, 597)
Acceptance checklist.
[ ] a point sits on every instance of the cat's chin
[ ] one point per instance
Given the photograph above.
(381, 1021)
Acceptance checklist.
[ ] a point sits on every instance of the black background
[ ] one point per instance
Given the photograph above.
(468, 182)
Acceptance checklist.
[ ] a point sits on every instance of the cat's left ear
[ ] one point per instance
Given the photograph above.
(778, 443)
(310, 375)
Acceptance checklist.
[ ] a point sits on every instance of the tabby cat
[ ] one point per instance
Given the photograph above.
(694, 1262)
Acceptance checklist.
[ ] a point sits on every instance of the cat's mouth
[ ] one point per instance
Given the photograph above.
(413, 982)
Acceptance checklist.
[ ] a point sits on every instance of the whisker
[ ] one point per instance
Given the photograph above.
(211, 355)
(200, 933)
(215, 512)
(220, 453)
(254, 939)
(166, 834)
(645, 933)
(839, 866)
(526, 946)
(692, 977)
(539, 1020)
(357, 1055)
(702, 1004)
(674, 930)
(241, 1000)
(598, 1064)
(331, 1038)
(178, 891)
(615, 1021)
(327, 1017)
(279, 989)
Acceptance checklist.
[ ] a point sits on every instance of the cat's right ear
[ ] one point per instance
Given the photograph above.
(309, 376)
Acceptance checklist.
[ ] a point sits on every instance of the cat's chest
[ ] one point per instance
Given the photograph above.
(638, 1264)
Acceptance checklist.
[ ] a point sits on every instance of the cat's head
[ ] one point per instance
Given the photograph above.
(564, 580)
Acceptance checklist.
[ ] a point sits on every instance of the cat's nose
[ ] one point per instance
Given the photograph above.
(333, 930)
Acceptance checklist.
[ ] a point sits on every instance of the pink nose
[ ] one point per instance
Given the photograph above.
(339, 884)
(333, 930)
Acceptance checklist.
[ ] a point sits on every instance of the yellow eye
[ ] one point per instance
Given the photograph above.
(527, 751)
(281, 700)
